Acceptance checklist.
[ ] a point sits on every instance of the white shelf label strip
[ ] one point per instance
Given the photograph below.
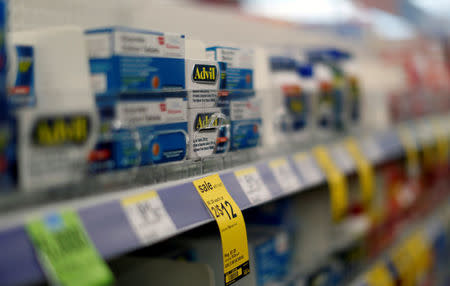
(253, 185)
(285, 176)
(148, 217)
(309, 170)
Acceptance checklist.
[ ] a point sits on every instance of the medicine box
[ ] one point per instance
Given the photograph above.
(125, 59)
(239, 65)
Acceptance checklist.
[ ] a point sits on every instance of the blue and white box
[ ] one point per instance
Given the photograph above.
(132, 60)
(244, 111)
(141, 129)
(21, 76)
(242, 106)
(139, 80)
(160, 123)
(239, 65)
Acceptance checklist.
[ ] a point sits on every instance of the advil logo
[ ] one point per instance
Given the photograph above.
(203, 120)
(62, 130)
(204, 74)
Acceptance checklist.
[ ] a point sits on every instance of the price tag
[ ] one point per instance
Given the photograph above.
(337, 183)
(253, 185)
(308, 168)
(426, 138)
(403, 264)
(65, 251)
(442, 143)
(342, 158)
(372, 149)
(410, 146)
(231, 224)
(379, 276)
(285, 176)
(365, 172)
(419, 249)
(148, 217)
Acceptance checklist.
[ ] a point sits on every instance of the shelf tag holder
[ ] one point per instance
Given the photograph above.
(337, 183)
(365, 172)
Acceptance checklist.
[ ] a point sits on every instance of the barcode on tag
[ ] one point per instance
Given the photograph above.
(148, 217)
(252, 184)
(308, 168)
(233, 275)
(285, 176)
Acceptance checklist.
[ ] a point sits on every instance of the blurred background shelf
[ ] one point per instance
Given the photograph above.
(112, 234)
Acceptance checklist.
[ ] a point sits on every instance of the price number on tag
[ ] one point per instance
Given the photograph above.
(222, 209)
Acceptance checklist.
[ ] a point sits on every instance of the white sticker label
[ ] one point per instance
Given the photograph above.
(98, 82)
(253, 185)
(372, 149)
(342, 158)
(236, 58)
(285, 176)
(98, 45)
(148, 112)
(308, 168)
(148, 217)
(132, 43)
(245, 109)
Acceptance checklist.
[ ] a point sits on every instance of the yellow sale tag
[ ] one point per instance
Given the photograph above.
(403, 262)
(231, 224)
(379, 276)
(337, 183)
(412, 155)
(365, 172)
(442, 143)
(418, 247)
(429, 156)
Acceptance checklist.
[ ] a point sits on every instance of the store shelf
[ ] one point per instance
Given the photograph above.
(112, 234)
(434, 228)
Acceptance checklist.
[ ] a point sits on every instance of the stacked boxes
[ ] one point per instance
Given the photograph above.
(243, 107)
(293, 90)
(50, 107)
(139, 80)
(332, 99)
(156, 106)
(208, 125)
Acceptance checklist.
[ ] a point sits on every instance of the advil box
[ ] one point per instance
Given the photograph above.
(205, 81)
(244, 112)
(239, 65)
(208, 126)
(125, 59)
(209, 130)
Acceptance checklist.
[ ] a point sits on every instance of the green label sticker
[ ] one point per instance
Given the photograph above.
(66, 253)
